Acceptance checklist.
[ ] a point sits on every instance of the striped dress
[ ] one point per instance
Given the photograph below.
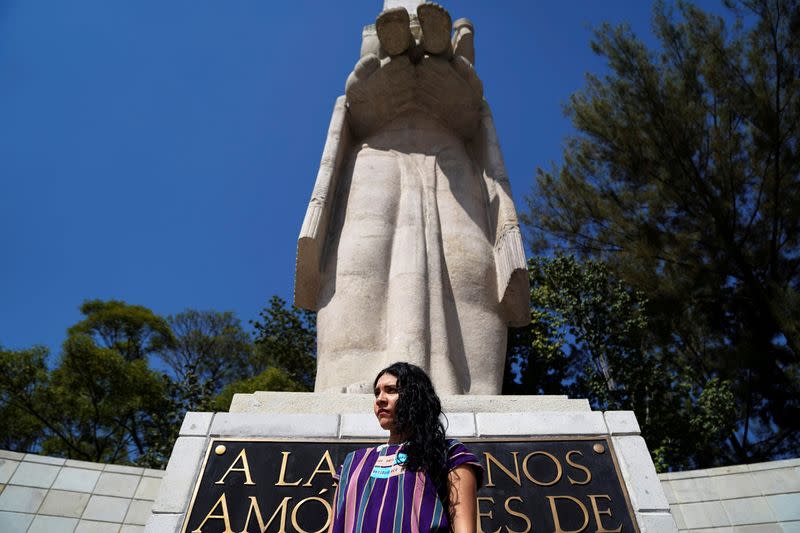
(377, 495)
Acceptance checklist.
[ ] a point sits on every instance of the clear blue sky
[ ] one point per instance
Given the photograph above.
(163, 152)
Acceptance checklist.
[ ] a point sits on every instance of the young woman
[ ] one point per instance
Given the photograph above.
(418, 481)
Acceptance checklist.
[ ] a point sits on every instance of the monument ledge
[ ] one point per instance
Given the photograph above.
(335, 403)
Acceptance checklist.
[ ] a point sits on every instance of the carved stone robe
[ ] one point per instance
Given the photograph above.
(410, 249)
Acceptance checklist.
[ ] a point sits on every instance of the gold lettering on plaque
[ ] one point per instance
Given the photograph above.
(528, 475)
(255, 509)
(557, 522)
(512, 512)
(488, 515)
(328, 510)
(326, 458)
(597, 512)
(281, 481)
(222, 502)
(492, 459)
(245, 468)
(573, 464)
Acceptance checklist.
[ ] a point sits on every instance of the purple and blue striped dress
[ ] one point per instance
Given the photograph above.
(377, 495)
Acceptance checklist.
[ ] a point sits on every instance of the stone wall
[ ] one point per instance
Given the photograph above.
(40, 494)
(763, 498)
(46, 494)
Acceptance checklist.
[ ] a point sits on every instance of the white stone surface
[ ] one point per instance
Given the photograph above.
(335, 403)
(461, 425)
(741, 485)
(106, 508)
(675, 511)
(704, 514)
(44, 459)
(164, 523)
(366, 425)
(656, 523)
(361, 425)
(694, 489)
(138, 512)
(759, 528)
(542, 423)
(90, 526)
(785, 507)
(274, 425)
(668, 492)
(14, 456)
(124, 469)
(742, 511)
(777, 481)
(729, 498)
(21, 499)
(65, 507)
(147, 489)
(7, 467)
(790, 527)
(34, 475)
(53, 524)
(706, 472)
(76, 479)
(64, 503)
(622, 423)
(179, 481)
(196, 424)
(84, 464)
(113, 484)
(639, 473)
(13, 522)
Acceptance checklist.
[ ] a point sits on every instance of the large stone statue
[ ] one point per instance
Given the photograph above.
(410, 248)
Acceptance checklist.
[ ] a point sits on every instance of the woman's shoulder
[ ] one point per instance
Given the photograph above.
(456, 446)
(459, 455)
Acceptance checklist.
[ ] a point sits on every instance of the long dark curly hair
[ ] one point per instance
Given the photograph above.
(418, 416)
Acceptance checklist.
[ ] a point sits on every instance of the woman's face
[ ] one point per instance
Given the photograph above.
(386, 395)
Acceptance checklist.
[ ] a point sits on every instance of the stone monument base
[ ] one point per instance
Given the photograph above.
(295, 418)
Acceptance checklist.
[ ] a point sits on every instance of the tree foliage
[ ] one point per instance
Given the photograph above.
(271, 379)
(95, 404)
(126, 377)
(286, 338)
(684, 178)
(589, 338)
(209, 345)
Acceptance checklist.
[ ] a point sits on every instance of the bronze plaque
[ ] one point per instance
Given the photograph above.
(552, 485)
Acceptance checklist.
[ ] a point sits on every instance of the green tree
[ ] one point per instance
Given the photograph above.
(21, 372)
(132, 331)
(103, 402)
(211, 345)
(271, 379)
(286, 338)
(589, 337)
(96, 404)
(684, 178)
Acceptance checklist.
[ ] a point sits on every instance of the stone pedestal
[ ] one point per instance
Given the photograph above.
(344, 417)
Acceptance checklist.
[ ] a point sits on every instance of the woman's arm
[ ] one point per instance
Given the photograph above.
(463, 491)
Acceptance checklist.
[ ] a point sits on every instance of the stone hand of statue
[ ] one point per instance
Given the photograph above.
(422, 63)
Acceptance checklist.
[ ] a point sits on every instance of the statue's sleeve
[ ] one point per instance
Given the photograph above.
(313, 234)
(513, 286)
